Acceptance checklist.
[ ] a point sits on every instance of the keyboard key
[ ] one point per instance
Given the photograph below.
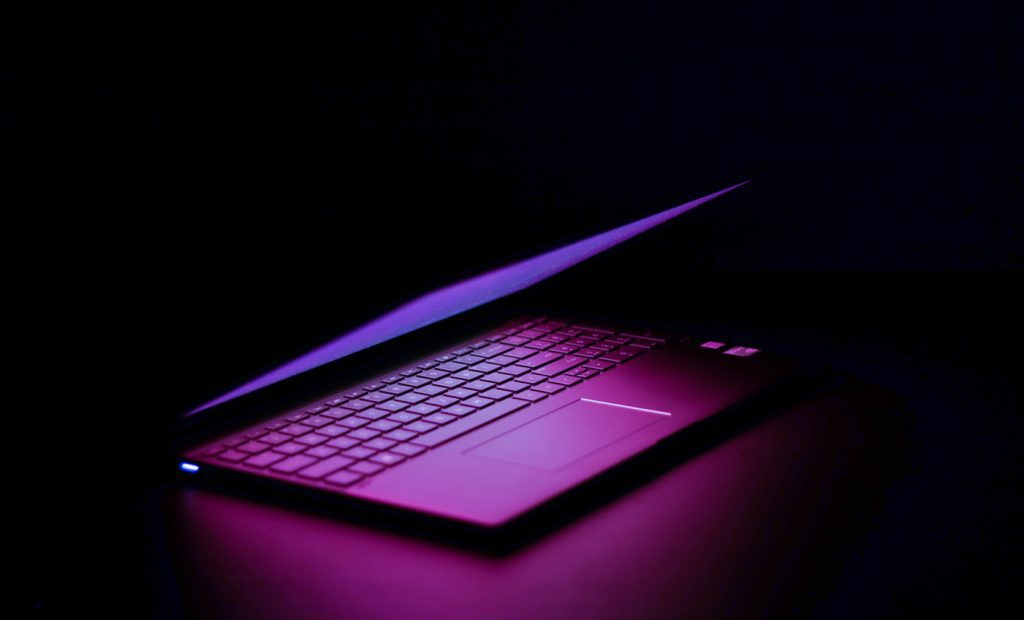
(366, 468)
(293, 463)
(478, 385)
(380, 444)
(478, 402)
(459, 410)
(378, 397)
(563, 348)
(467, 375)
(312, 439)
(485, 367)
(354, 422)
(412, 398)
(514, 386)
(335, 402)
(296, 430)
(343, 478)
(387, 458)
(503, 360)
(363, 433)
(532, 395)
(566, 380)
(584, 373)
(492, 350)
(359, 452)
(441, 401)
(392, 379)
(515, 340)
(520, 352)
(394, 405)
(290, 448)
(497, 377)
(400, 434)
(469, 360)
(562, 365)
(325, 467)
(410, 372)
(321, 452)
(430, 390)
(231, 443)
(384, 425)
(599, 365)
(460, 393)
(419, 426)
(343, 443)
(531, 378)
(468, 423)
(253, 447)
(397, 389)
(515, 371)
(540, 359)
(439, 418)
(433, 374)
(255, 434)
(276, 425)
(336, 414)
(232, 456)
(540, 345)
(317, 421)
(549, 388)
(296, 417)
(589, 352)
(623, 354)
(357, 405)
(403, 417)
(415, 382)
(317, 409)
(407, 449)
(451, 367)
(423, 409)
(275, 439)
(263, 460)
(373, 414)
(496, 394)
(449, 382)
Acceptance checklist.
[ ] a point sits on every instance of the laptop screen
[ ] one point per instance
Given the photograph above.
(460, 297)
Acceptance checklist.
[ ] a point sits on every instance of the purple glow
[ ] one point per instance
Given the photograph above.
(462, 296)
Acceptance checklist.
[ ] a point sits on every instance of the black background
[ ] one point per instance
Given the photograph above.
(194, 195)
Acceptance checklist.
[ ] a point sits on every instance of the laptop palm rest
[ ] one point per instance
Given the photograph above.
(567, 434)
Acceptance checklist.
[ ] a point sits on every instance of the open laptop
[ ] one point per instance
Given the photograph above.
(448, 409)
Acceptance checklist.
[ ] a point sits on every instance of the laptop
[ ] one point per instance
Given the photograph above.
(455, 408)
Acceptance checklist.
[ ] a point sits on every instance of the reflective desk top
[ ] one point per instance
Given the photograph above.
(758, 525)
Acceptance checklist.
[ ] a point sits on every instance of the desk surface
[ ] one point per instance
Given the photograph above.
(756, 526)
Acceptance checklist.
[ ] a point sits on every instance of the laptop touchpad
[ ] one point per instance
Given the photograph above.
(568, 433)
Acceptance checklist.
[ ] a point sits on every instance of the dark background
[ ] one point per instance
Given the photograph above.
(194, 195)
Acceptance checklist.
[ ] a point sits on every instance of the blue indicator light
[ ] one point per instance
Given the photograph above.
(188, 467)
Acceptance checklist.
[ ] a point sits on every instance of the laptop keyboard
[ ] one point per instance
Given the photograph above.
(364, 431)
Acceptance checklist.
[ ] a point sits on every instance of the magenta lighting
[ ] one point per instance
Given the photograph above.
(462, 296)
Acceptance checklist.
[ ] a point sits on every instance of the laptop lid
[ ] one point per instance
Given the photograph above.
(455, 299)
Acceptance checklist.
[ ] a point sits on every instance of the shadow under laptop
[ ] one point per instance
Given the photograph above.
(802, 464)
